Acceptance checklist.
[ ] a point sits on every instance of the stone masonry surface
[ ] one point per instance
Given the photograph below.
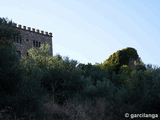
(31, 39)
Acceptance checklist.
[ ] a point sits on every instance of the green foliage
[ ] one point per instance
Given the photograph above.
(149, 102)
(9, 62)
(40, 58)
(102, 89)
(65, 79)
(123, 76)
(6, 29)
(106, 89)
(9, 71)
(140, 94)
(60, 75)
(93, 71)
(139, 65)
(30, 97)
(19, 85)
(91, 91)
(125, 69)
(119, 58)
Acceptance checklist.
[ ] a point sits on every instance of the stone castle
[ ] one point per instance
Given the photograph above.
(31, 38)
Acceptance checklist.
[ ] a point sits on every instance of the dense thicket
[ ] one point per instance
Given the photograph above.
(27, 84)
(18, 91)
(9, 63)
(119, 58)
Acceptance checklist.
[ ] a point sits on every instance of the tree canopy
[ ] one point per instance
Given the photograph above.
(7, 29)
(119, 58)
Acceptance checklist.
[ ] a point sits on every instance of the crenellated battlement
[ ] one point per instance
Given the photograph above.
(32, 30)
(30, 38)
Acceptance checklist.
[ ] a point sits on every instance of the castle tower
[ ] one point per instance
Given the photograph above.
(31, 38)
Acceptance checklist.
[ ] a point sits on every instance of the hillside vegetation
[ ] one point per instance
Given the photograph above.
(122, 57)
(45, 87)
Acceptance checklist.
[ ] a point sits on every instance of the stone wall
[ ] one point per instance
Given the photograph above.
(31, 38)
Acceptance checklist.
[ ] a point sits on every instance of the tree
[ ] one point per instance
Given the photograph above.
(9, 61)
(61, 77)
(119, 58)
(7, 29)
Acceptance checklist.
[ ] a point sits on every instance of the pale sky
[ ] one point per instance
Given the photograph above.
(90, 31)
